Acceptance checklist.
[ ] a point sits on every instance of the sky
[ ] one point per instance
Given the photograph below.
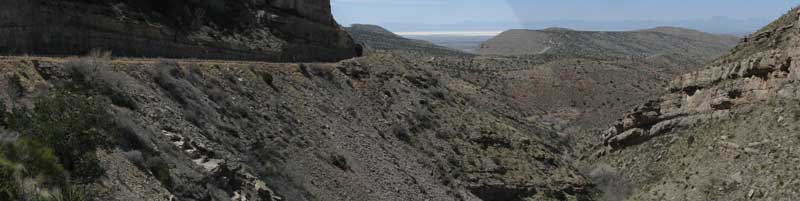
(493, 15)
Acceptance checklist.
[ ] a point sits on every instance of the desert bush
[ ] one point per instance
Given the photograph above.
(136, 157)
(304, 70)
(9, 186)
(311, 70)
(174, 81)
(58, 136)
(67, 193)
(170, 78)
(69, 123)
(28, 160)
(126, 134)
(402, 133)
(267, 78)
(443, 134)
(153, 163)
(37, 159)
(440, 93)
(340, 162)
(92, 75)
(217, 95)
(423, 119)
(160, 170)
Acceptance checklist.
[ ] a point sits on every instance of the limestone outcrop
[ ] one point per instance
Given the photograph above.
(286, 30)
(728, 132)
(708, 94)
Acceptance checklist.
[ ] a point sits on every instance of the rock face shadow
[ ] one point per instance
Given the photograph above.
(295, 30)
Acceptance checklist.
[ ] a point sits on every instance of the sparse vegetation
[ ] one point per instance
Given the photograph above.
(69, 123)
(93, 75)
(175, 81)
(160, 170)
(73, 120)
(26, 159)
(74, 124)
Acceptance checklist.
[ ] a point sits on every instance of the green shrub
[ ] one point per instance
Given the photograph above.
(9, 186)
(27, 159)
(38, 160)
(68, 123)
(68, 193)
(56, 146)
(160, 170)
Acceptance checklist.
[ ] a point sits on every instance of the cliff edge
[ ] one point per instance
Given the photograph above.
(284, 30)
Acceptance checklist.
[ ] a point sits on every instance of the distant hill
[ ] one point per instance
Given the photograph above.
(466, 43)
(378, 38)
(648, 43)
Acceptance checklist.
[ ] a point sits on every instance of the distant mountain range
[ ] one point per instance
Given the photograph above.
(463, 42)
(378, 38)
(719, 25)
(647, 43)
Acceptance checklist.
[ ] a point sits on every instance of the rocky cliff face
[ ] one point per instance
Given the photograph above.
(315, 10)
(286, 30)
(727, 132)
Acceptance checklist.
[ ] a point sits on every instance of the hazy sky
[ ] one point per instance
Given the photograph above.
(525, 12)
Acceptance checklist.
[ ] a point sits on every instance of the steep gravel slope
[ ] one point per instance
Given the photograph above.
(373, 128)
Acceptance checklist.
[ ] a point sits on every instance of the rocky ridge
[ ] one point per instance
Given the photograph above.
(734, 80)
(645, 44)
(722, 133)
